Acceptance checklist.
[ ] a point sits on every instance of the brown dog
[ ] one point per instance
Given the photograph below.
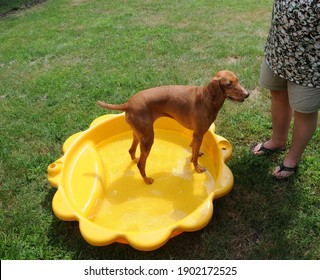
(194, 107)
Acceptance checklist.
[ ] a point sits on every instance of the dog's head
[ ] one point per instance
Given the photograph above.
(230, 86)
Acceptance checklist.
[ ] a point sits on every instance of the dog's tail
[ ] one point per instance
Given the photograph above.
(117, 107)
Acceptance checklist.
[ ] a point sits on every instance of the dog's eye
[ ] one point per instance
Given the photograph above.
(230, 84)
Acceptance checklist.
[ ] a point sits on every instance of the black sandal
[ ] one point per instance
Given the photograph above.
(291, 171)
(263, 150)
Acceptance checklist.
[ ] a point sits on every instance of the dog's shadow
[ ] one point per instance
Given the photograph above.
(176, 190)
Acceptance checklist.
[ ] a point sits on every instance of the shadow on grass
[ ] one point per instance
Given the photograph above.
(10, 7)
(251, 222)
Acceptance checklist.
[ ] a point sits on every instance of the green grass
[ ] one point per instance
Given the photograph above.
(59, 57)
(7, 6)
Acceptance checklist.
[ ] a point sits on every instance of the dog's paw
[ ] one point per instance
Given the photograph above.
(200, 169)
(148, 180)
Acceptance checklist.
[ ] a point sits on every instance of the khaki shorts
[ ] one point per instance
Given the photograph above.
(302, 99)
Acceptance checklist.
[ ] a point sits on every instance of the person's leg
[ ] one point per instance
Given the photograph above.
(304, 127)
(306, 103)
(281, 113)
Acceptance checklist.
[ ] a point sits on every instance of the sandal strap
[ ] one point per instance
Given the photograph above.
(286, 168)
(266, 151)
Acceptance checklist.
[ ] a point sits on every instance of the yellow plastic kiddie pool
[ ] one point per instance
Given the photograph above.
(100, 186)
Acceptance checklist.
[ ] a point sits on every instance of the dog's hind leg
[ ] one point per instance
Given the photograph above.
(133, 148)
(146, 143)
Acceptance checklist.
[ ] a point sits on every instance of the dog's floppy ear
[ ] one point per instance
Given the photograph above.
(216, 93)
(215, 86)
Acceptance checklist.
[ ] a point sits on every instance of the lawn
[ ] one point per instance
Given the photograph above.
(59, 57)
(7, 6)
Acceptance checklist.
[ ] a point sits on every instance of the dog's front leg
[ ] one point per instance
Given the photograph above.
(200, 153)
(196, 144)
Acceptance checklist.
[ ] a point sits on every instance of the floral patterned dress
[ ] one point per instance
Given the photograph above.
(293, 45)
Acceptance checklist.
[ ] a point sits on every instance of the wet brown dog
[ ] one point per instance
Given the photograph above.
(194, 107)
